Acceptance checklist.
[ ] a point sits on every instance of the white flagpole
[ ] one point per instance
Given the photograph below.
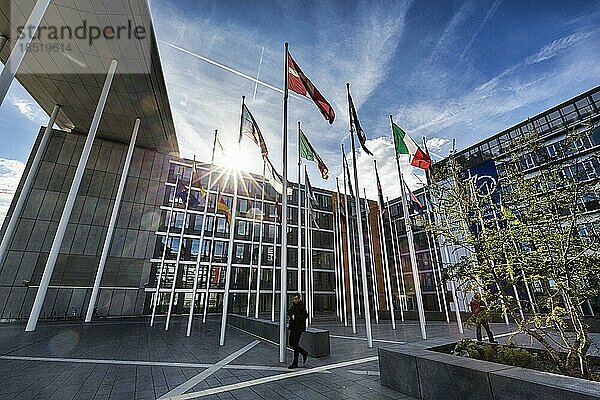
(311, 274)
(307, 238)
(283, 297)
(399, 274)
(350, 258)
(164, 252)
(208, 276)
(180, 247)
(273, 286)
(338, 303)
(251, 257)
(387, 280)
(341, 252)
(230, 246)
(361, 240)
(201, 245)
(372, 260)
(411, 246)
(299, 257)
(260, 241)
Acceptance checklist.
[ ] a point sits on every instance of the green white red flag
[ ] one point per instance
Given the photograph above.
(405, 145)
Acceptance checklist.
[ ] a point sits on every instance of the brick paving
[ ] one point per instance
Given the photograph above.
(128, 359)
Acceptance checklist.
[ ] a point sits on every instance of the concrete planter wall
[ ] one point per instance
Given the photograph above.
(429, 375)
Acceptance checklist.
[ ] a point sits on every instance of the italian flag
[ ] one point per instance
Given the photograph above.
(405, 145)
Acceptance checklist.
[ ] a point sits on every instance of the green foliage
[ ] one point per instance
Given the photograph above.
(508, 355)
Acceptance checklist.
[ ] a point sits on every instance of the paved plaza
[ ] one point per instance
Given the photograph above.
(128, 359)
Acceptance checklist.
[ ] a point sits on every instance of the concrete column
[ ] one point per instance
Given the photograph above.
(64, 219)
(37, 160)
(112, 223)
(18, 52)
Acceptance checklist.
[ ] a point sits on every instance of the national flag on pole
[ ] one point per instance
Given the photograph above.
(307, 151)
(250, 129)
(299, 83)
(362, 138)
(222, 206)
(347, 173)
(414, 201)
(181, 192)
(273, 177)
(405, 145)
(379, 193)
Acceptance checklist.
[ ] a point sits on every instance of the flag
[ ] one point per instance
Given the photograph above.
(299, 83)
(274, 178)
(308, 152)
(251, 130)
(414, 201)
(379, 193)
(347, 172)
(181, 192)
(405, 145)
(220, 146)
(339, 199)
(310, 195)
(362, 138)
(222, 206)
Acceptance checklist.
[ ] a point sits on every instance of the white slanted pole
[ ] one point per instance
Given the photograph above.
(21, 47)
(349, 247)
(112, 223)
(251, 256)
(411, 246)
(283, 297)
(361, 239)
(386, 269)
(70, 202)
(164, 252)
(235, 173)
(200, 246)
(299, 214)
(341, 252)
(180, 246)
(372, 260)
(35, 165)
(399, 274)
(260, 242)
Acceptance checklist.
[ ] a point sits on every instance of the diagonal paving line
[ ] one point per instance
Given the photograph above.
(187, 385)
(143, 363)
(365, 339)
(267, 379)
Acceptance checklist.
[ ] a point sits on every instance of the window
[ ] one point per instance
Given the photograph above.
(222, 227)
(220, 251)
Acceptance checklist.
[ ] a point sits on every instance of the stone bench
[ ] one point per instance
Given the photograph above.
(315, 341)
(425, 374)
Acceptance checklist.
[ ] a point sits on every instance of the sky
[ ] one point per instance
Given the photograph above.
(446, 70)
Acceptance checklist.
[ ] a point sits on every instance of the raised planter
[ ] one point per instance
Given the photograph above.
(425, 374)
(315, 341)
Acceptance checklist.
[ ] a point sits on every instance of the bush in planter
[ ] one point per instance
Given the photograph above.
(508, 355)
(527, 239)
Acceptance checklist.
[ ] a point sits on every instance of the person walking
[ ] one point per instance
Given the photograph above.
(479, 310)
(297, 324)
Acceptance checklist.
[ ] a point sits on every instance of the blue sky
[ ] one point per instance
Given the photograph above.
(445, 70)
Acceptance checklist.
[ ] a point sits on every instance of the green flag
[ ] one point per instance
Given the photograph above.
(308, 153)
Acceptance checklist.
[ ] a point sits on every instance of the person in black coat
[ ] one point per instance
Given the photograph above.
(298, 315)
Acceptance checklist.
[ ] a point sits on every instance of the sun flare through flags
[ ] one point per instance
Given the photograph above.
(299, 83)
(405, 145)
(250, 129)
(222, 206)
(308, 152)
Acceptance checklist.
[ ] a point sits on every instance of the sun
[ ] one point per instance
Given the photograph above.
(235, 158)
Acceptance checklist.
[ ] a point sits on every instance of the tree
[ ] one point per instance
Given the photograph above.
(527, 233)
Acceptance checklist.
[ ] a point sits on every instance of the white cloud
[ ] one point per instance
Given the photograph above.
(558, 45)
(10, 174)
(29, 109)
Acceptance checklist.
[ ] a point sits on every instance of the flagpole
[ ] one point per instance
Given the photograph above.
(274, 286)
(372, 259)
(299, 257)
(411, 244)
(341, 252)
(200, 247)
(387, 280)
(311, 273)
(307, 238)
(164, 252)
(230, 245)
(350, 258)
(338, 300)
(251, 256)
(397, 258)
(361, 239)
(260, 241)
(283, 300)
